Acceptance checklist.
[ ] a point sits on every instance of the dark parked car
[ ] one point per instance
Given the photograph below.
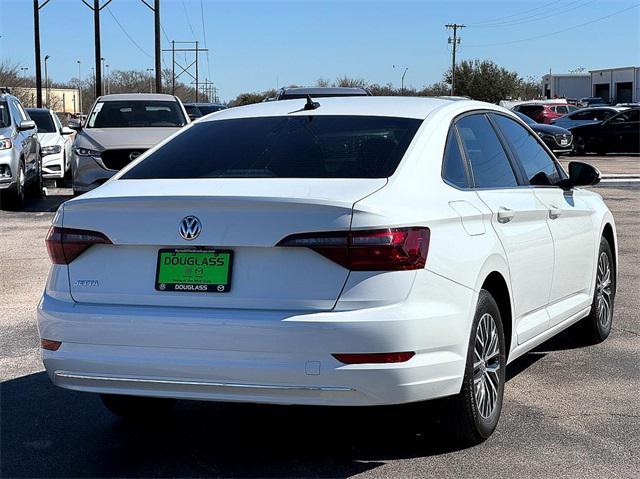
(196, 110)
(618, 134)
(592, 101)
(585, 116)
(558, 139)
(320, 92)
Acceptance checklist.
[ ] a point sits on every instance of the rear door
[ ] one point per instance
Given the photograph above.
(569, 218)
(519, 219)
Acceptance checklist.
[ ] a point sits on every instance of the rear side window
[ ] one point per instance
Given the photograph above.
(489, 162)
(540, 168)
(453, 169)
(5, 120)
(316, 146)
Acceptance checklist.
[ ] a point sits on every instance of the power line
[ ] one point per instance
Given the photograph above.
(204, 36)
(127, 34)
(540, 7)
(537, 37)
(186, 14)
(539, 16)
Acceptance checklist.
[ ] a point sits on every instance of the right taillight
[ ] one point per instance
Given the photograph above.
(390, 249)
(66, 244)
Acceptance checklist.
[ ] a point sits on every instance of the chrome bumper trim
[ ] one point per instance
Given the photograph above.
(174, 382)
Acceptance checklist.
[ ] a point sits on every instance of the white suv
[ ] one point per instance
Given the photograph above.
(343, 251)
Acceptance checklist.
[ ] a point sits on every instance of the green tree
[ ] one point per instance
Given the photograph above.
(484, 80)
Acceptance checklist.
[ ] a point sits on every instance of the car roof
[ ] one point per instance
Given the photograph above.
(338, 90)
(137, 96)
(203, 104)
(391, 106)
(38, 109)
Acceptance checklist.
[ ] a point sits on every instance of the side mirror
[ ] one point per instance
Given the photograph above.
(74, 125)
(583, 174)
(26, 125)
(67, 131)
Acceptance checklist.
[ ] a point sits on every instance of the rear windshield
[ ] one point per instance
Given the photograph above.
(206, 109)
(283, 147)
(136, 114)
(43, 120)
(530, 109)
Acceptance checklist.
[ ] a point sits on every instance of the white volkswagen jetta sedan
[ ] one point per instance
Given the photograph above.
(355, 251)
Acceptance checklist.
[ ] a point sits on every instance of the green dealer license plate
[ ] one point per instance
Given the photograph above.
(194, 270)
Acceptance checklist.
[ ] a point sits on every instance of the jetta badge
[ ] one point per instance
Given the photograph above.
(190, 227)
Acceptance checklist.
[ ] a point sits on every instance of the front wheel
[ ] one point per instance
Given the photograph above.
(596, 327)
(579, 146)
(475, 411)
(13, 198)
(137, 407)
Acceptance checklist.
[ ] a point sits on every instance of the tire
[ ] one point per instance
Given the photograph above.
(473, 414)
(13, 198)
(579, 146)
(137, 407)
(596, 327)
(34, 189)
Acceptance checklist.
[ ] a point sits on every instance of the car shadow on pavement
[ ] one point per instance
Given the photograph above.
(53, 432)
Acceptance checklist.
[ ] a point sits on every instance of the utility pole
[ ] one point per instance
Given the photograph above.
(79, 87)
(455, 41)
(156, 23)
(96, 30)
(46, 78)
(36, 34)
(149, 70)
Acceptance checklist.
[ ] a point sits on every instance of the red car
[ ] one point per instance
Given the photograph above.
(544, 113)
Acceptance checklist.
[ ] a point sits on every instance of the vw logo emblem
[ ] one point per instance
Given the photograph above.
(190, 227)
(134, 154)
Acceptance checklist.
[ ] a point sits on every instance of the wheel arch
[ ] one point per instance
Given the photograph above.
(609, 234)
(496, 284)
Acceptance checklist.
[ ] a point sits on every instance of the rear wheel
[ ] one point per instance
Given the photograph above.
(475, 411)
(137, 407)
(596, 327)
(13, 198)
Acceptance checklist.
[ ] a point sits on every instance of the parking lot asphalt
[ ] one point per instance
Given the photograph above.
(570, 410)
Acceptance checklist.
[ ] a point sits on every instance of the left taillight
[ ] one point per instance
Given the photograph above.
(391, 249)
(66, 244)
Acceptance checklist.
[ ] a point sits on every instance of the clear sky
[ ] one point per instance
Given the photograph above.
(263, 44)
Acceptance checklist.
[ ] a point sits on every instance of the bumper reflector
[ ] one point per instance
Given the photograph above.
(50, 345)
(374, 358)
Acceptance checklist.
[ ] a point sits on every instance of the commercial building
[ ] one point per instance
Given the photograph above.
(566, 85)
(60, 100)
(616, 85)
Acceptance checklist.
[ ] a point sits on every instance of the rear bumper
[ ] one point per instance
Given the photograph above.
(257, 356)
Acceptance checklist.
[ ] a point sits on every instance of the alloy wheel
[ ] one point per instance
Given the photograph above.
(486, 366)
(604, 291)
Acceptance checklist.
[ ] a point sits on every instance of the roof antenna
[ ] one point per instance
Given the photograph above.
(311, 105)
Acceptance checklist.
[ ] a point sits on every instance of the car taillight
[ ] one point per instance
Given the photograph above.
(389, 249)
(374, 358)
(66, 244)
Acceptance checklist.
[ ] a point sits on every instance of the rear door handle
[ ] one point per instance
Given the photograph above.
(505, 214)
(554, 212)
